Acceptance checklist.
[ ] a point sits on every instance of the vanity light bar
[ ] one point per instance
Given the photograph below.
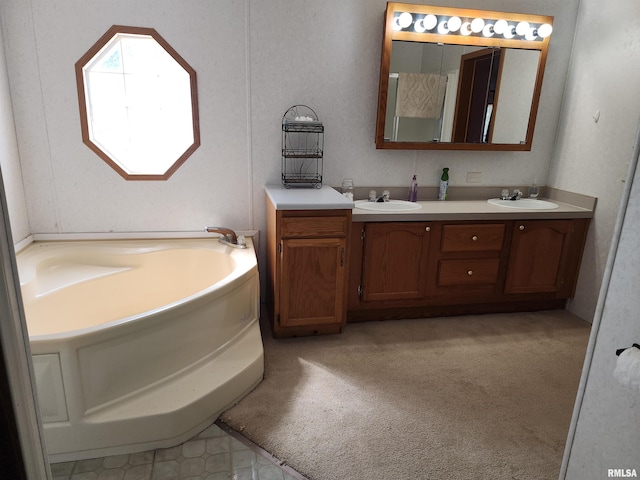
(445, 25)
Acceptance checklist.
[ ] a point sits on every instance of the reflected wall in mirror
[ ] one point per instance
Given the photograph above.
(460, 89)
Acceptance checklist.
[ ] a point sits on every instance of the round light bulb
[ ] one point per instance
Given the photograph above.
(522, 28)
(396, 24)
(500, 27)
(510, 32)
(531, 34)
(487, 31)
(545, 30)
(419, 26)
(477, 25)
(405, 19)
(442, 28)
(465, 28)
(430, 21)
(454, 24)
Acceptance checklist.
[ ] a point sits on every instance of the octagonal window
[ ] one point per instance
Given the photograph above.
(138, 103)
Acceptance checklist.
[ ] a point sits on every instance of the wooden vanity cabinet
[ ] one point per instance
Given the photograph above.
(307, 256)
(412, 269)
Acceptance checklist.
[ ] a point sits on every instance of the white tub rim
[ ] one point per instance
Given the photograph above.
(245, 267)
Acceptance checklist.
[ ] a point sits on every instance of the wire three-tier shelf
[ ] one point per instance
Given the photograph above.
(302, 147)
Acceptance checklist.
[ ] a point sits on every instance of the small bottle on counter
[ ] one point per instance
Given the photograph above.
(444, 184)
(413, 190)
(347, 188)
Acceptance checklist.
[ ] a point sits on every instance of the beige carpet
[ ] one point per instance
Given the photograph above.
(475, 397)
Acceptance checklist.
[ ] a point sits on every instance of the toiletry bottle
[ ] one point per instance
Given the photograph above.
(444, 184)
(347, 188)
(413, 190)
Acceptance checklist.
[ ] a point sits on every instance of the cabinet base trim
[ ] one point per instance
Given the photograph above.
(363, 315)
(306, 331)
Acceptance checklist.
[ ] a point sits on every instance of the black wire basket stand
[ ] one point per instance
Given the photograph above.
(302, 148)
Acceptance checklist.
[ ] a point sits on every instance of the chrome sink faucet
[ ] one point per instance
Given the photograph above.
(374, 198)
(228, 237)
(515, 195)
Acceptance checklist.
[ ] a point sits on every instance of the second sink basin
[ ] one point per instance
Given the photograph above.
(524, 203)
(390, 206)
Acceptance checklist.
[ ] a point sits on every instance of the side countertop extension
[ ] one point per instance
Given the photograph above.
(325, 198)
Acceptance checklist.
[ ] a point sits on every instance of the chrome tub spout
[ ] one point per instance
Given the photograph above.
(228, 237)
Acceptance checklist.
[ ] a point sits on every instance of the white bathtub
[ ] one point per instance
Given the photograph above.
(138, 344)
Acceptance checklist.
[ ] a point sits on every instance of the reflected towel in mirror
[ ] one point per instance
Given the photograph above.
(420, 95)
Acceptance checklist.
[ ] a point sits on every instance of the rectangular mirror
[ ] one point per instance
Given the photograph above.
(446, 86)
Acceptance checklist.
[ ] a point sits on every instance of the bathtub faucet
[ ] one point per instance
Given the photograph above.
(228, 237)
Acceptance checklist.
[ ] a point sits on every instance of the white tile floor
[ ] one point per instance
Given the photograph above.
(214, 454)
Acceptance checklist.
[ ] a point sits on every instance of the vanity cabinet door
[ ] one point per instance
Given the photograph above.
(395, 261)
(313, 277)
(545, 256)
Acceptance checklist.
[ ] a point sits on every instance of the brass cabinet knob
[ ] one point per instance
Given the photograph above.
(474, 238)
(427, 229)
(521, 227)
(470, 272)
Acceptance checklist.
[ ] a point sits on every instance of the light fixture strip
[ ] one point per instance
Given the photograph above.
(476, 27)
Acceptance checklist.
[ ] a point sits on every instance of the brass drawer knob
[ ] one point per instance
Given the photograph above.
(521, 227)
(474, 238)
(470, 272)
(427, 229)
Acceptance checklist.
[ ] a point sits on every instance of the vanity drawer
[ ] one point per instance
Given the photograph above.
(472, 238)
(311, 226)
(483, 271)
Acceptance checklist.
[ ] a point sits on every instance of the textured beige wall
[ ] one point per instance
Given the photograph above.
(9, 159)
(605, 433)
(254, 59)
(592, 157)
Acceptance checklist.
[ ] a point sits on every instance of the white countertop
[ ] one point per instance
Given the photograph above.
(327, 198)
(298, 198)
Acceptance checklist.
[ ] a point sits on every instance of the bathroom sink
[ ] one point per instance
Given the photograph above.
(524, 203)
(390, 206)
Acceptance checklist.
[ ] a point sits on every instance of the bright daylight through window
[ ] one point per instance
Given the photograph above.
(138, 103)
